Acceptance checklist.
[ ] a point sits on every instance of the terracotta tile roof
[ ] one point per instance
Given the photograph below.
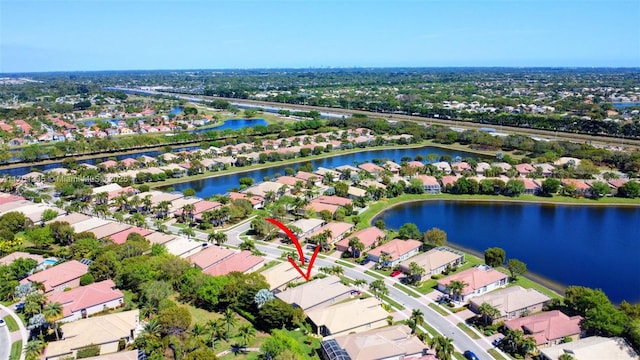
(475, 278)
(396, 248)
(210, 256)
(59, 274)
(121, 237)
(242, 262)
(367, 236)
(578, 184)
(287, 180)
(547, 326)
(370, 167)
(338, 229)
(86, 296)
(428, 180)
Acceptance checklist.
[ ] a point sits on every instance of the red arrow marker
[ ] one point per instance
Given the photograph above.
(295, 241)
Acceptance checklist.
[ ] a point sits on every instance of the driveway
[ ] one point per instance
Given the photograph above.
(6, 337)
(5, 343)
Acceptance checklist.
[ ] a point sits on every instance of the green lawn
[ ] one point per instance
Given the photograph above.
(393, 303)
(405, 290)
(439, 309)
(375, 275)
(12, 325)
(344, 263)
(426, 287)
(468, 331)
(16, 350)
(459, 356)
(496, 354)
(269, 265)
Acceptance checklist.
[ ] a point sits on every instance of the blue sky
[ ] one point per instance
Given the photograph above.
(63, 35)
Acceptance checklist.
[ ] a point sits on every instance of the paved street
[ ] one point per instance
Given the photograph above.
(7, 338)
(445, 325)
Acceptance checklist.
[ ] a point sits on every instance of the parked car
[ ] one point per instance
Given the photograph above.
(364, 261)
(496, 342)
(469, 355)
(2, 323)
(396, 273)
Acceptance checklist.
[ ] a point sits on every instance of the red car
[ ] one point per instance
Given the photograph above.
(396, 273)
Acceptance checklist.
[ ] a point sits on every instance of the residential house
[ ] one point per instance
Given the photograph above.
(348, 317)
(59, 277)
(580, 187)
(395, 251)
(531, 187)
(105, 331)
(548, 328)
(434, 261)
(460, 167)
(371, 168)
(481, 167)
(244, 262)
(592, 348)
(429, 183)
(122, 236)
(503, 166)
(9, 259)
(210, 256)
(547, 169)
(356, 193)
(443, 166)
(184, 247)
(109, 229)
(84, 301)
(525, 169)
(306, 226)
(479, 280)
(337, 229)
(388, 343)
(280, 276)
(316, 294)
(512, 302)
(306, 177)
(369, 236)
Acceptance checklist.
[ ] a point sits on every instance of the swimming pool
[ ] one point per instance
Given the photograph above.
(50, 261)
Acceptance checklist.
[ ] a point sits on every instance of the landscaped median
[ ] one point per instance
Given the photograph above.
(16, 350)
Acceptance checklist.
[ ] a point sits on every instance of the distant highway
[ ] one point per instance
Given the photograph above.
(600, 141)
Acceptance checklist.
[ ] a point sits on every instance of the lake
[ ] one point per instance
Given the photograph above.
(593, 246)
(235, 124)
(222, 184)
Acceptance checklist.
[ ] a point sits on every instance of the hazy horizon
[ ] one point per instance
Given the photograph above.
(144, 35)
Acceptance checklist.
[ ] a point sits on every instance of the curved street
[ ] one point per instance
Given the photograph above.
(7, 338)
(442, 324)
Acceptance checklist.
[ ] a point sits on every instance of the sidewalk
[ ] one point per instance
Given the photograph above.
(21, 334)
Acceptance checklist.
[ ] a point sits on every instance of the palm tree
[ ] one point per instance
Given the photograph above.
(188, 232)
(33, 349)
(162, 209)
(456, 288)
(218, 238)
(52, 313)
(443, 346)
(217, 330)
(356, 245)
(417, 318)
(101, 198)
(488, 312)
(247, 244)
(187, 211)
(416, 272)
(246, 333)
(337, 270)
(229, 320)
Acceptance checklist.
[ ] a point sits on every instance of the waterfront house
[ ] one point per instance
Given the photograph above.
(429, 183)
(592, 348)
(512, 302)
(548, 328)
(442, 166)
(337, 229)
(371, 168)
(478, 280)
(395, 251)
(530, 186)
(84, 301)
(368, 236)
(579, 187)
